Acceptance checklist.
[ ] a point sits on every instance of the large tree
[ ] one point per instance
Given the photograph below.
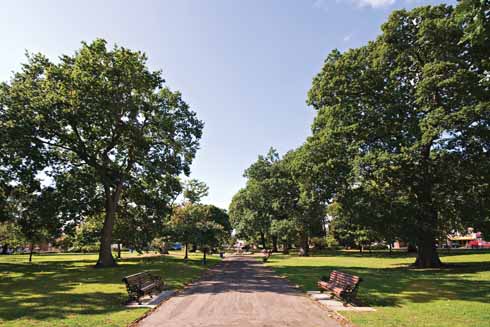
(101, 110)
(195, 190)
(263, 200)
(308, 200)
(280, 201)
(10, 236)
(203, 225)
(245, 218)
(36, 215)
(412, 113)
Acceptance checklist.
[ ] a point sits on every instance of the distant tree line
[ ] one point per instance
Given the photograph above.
(400, 145)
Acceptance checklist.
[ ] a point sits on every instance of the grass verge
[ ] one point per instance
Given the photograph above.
(65, 289)
(458, 295)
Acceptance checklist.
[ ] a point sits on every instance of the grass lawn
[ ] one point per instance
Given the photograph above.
(65, 289)
(455, 296)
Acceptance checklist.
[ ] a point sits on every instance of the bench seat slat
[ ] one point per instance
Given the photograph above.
(148, 287)
(341, 284)
(141, 284)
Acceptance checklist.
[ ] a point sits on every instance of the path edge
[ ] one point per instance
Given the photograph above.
(135, 323)
(344, 322)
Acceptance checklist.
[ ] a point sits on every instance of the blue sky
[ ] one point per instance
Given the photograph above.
(244, 66)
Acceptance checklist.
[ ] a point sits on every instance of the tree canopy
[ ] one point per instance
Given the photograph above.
(275, 205)
(99, 119)
(195, 190)
(412, 112)
(400, 143)
(205, 226)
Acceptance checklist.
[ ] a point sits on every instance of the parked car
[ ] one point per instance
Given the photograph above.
(478, 244)
(176, 246)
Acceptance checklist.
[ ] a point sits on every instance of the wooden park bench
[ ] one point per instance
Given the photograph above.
(266, 255)
(141, 284)
(341, 285)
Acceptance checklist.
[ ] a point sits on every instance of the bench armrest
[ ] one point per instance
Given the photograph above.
(324, 278)
(158, 280)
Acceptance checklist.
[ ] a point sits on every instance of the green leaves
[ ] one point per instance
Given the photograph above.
(280, 201)
(395, 128)
(195, 190)
(99, 112)
(105, 109)
(202, 225)
(267, 197)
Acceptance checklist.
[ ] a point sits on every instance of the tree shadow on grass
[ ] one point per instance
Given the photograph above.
(365, 254)
(398, 254)
(60, 305)
(390, 287)
(59, 289)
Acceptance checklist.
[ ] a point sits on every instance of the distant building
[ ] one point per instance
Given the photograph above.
(45, 247)
(399, 245)
(239, 244)
(468, 239)
(463, 240)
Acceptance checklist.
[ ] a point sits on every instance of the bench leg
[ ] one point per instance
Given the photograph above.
(139, 296)
(347, 300)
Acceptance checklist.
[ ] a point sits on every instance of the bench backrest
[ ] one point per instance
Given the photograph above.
(141, 279)
(343, 280)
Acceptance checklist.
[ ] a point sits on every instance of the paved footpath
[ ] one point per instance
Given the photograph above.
(240, 292)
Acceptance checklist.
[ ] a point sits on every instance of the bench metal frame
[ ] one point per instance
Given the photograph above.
(135, 290)
(348, 292)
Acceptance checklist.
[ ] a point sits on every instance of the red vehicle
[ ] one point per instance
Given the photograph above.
(479, 244)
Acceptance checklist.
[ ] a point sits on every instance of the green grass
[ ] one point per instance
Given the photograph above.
(65, 289)
(458, 295)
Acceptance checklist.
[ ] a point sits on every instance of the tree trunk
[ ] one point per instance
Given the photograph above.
(262, 240)
(274, 244)
(304, 249)
(193, 248)
(285, 248)
(391, 248)
(31, 249)
(427, 256)
(411, 248)
(105, 252)
(164, 248)
(119, 250)
(5, 248)
(204, 256)
(186, 256)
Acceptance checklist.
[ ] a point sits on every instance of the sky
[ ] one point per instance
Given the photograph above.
(245, 67)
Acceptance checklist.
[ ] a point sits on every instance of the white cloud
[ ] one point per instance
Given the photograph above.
(321, 4)
(374, 3)
(364, 3)
(347, 37)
